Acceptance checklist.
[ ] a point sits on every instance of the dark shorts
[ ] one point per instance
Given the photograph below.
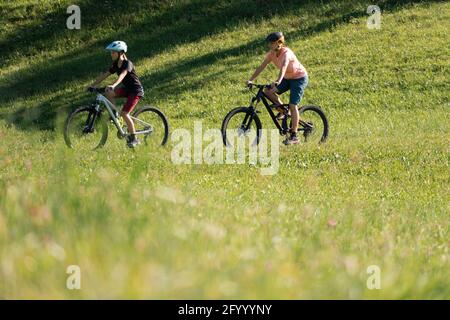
(297, 87)
(132, 100)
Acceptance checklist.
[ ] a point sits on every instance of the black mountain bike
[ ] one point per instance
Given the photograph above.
(87, 127)
(313, 124)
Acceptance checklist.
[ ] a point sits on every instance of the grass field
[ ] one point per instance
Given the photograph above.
(139, 226)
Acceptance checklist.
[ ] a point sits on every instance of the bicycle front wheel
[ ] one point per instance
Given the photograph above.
(85, 129)
(151, 126)
(241, 123)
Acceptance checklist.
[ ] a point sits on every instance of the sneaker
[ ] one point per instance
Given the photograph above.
(291, 140)
(132, 142)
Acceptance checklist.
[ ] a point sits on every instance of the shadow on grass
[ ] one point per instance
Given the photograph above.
(188, 22)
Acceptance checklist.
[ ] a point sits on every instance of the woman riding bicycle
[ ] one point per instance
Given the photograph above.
(131, 86)
(292, 76)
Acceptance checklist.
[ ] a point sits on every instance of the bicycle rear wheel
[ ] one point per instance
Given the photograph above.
(313, 124)
(85, 129)
(151, 126)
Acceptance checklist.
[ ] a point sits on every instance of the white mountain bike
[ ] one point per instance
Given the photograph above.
(87, 126)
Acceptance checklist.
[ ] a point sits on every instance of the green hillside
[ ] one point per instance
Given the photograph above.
(140, 226)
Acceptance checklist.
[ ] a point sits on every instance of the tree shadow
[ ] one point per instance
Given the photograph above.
(186, 23)
(36, 35)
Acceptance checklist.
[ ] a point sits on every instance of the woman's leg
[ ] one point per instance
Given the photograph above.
(273, 93)
(295, 117)
(297, 90)
(273, 96)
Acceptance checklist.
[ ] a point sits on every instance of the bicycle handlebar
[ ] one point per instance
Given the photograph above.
(259, 86)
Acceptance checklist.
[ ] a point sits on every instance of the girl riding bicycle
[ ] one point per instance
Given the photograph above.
(292, 76)
(131, 86)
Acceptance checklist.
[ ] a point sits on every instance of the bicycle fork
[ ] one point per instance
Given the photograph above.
(247, 122)
(92, 117)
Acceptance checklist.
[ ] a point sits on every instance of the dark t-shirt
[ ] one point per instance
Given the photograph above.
(131, 81)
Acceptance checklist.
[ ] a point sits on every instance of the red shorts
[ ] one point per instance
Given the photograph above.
(131, 102)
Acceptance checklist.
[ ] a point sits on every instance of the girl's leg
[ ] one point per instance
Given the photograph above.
(132, 101)
(111, 95)
(130, 124)
(117, 93)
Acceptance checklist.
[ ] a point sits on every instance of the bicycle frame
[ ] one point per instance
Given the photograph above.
(283, 127)
(111, 108)
(261, 96)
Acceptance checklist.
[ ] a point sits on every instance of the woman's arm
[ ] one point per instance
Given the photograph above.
(282, 71)
(100, 78)
(259, 69)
